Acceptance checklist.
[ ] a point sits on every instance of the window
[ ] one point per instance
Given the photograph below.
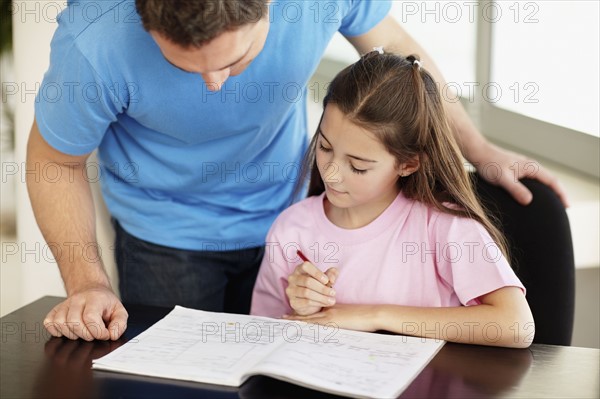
(527, 70)
(543, 56)
(545, 59)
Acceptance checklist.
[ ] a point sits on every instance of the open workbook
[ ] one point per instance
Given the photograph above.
(227, 349)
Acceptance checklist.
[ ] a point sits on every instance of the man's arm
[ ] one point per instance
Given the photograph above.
(64, 211)
(476, 149)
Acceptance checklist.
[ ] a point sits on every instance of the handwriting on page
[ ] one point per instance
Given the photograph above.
(353, 361)
(186, 345)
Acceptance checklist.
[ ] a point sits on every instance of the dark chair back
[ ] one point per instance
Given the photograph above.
(539, 238)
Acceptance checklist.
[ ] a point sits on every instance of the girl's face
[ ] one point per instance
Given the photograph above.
(359, 173)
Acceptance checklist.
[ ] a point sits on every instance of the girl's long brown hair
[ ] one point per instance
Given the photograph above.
(398, 101)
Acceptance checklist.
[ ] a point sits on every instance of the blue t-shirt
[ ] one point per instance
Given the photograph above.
(182, 166)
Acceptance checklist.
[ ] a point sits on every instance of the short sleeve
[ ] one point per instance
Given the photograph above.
(468, 259)
(74, 106)
(269, 298)
(363, 15)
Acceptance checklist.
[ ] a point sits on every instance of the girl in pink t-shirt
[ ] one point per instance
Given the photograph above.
(394, 233)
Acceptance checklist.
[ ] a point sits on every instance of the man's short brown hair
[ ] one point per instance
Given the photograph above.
(192, 23)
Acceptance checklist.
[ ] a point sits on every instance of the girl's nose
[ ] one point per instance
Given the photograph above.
(332, 173)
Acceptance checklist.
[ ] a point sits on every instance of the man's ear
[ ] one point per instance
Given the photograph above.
(409, 167)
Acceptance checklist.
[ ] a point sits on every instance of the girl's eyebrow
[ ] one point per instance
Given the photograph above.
(320, 132)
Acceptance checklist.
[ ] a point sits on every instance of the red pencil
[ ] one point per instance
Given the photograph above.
(305, 259)
(302, 256)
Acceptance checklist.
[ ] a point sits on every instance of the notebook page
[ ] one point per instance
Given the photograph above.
(194, 345)
(351, 363)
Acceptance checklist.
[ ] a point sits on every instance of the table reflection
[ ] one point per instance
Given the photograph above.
(456, 371)
(66, 371)
(465, 371)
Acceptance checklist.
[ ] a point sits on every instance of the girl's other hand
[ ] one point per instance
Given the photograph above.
(309, 289)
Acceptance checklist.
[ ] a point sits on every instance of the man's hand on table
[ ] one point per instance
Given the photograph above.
(91, 313)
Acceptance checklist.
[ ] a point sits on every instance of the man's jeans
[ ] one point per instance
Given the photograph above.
(152, 274)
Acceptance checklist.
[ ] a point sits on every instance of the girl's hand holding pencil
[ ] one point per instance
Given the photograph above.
(309, 289)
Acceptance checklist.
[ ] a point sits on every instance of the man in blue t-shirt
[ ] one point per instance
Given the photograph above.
(197, 110)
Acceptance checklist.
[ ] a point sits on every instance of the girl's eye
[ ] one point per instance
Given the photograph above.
(357, 171)
(324, 149)
(352, 168)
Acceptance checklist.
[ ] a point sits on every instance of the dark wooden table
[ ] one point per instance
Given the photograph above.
(35, 365)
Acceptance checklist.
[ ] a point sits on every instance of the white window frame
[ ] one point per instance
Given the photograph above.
(574, 149)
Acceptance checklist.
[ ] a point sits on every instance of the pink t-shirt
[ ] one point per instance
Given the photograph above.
(411, 255)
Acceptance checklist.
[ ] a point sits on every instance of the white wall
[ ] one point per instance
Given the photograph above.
(39, 274)
(32, 34)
